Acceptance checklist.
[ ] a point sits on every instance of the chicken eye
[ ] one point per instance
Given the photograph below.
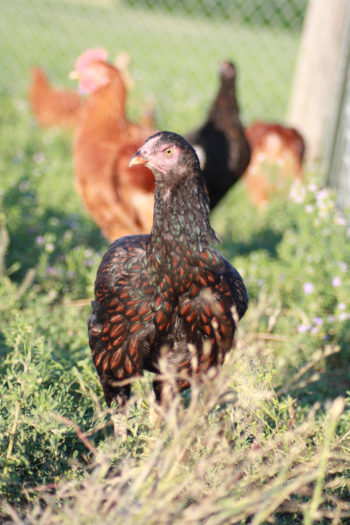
(169, 152)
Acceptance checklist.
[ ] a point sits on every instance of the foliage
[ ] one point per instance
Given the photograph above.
(268, 438)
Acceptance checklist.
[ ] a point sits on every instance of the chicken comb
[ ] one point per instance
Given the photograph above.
(89, 56)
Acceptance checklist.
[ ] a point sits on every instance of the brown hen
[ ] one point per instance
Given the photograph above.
(52, 106)
(277, 154)
(119, 199)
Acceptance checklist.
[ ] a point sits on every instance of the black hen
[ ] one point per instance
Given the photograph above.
(168, 293)
(220, 142)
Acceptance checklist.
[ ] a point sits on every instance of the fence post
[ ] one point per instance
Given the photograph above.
(316, 79)
(338, 172)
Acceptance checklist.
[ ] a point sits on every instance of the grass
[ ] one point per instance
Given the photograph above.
(269, 438)
(175, 57)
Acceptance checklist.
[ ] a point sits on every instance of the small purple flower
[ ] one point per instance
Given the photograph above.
(336, 281)
(308, 288)
(309, 208)
(341, 306)
(297, 192)
(343, 316)
(312, 187)
(317, 320)
(302, 328)
(321, 195)
(39, 239)
(51, 270)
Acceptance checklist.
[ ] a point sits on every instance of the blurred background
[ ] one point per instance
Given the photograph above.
(176, 47)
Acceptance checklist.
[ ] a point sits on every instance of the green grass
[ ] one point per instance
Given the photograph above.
(269, 438)
(175, 57)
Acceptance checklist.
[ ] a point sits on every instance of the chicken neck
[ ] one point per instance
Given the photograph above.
(181, 219)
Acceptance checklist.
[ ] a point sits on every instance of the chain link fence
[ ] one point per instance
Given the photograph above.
(176, 47)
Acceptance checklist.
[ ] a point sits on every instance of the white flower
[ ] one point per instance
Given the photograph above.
(308, 288)
(297, 192)
(49, 247)
(336, 281)
(340, 220)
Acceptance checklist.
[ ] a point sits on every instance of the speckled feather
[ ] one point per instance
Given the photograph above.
(168, 290)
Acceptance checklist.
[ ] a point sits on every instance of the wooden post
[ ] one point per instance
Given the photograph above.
(313, 99)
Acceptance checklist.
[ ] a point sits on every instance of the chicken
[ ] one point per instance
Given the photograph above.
(167, 297)
(220, 142)
(277, 158)
(118, 199)
(51, 106)
(57, 107)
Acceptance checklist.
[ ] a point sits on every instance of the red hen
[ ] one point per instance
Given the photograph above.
(52, 106)
(276, 158)
(119, 200)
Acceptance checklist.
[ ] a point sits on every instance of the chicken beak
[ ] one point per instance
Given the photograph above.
(138, 158)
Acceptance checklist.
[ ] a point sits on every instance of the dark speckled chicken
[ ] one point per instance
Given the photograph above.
(220, 142)
(168, 293)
